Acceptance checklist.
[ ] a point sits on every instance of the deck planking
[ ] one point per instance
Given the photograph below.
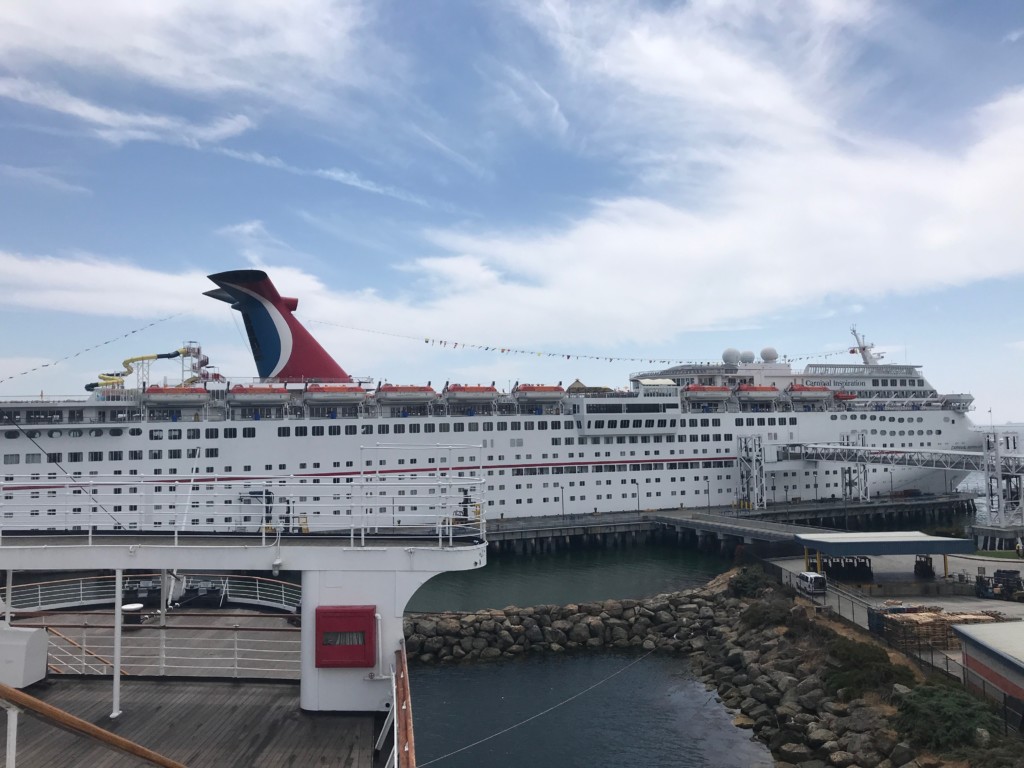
(222, 724)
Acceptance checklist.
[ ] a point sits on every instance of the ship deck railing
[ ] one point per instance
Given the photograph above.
(181, 642)
(99, 589)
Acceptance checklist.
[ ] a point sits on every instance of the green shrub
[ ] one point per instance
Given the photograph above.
(944, 718)
(750, 582)
(766, 613)
(862, 667)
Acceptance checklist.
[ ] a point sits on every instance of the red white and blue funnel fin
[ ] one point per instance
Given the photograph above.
(281, 346)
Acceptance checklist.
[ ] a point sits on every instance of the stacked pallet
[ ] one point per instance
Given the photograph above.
(912, 631)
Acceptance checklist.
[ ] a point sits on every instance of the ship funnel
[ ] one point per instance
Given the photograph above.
(281, 346)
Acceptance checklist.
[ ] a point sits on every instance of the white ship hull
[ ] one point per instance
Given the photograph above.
(243, 462)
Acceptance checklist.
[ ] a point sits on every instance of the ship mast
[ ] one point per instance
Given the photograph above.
(863, 348)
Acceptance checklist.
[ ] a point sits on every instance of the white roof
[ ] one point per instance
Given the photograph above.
(657, 382)
(1005, 638)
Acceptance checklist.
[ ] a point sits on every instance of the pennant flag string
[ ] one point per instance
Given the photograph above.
(567, 355)
(80, 352)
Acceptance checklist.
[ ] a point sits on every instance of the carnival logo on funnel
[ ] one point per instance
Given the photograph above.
(282, 348)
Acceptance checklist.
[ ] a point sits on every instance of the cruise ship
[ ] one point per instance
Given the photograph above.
(306, 447)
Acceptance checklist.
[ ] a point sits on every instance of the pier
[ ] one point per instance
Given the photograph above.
(721, 528)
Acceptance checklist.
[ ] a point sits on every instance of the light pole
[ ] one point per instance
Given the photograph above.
(637, 485)
(890, 483)
(815, 486)
(708, 481)
(773, 489)
(561, 497)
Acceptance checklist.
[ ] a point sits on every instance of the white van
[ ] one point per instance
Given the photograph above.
(811, 583)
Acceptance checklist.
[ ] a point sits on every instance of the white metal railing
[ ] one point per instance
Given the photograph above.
(100, 590)
(180, 650)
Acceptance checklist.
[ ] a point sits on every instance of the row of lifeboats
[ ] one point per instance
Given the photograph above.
(759, 392)
(351, 393)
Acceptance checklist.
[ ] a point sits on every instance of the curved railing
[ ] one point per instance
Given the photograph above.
(87, 591)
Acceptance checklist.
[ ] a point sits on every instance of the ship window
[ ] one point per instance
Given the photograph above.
(11, 434)
(192, 434)
(834, 417)
(382, 429)
(428, 428)
(489, 426)
(284, 431)
(156, 434)
(318, 431)
(350, 429)
(399, 429)
(367, 429)
(212, 434)
(174, 434)
(502, 426)
(134, 431)
(443, 427)
(301, 431)
(12, 458)
(248, 431)
(156, 454)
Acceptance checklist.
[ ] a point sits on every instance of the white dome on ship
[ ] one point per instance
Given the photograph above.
(769, 355)
(747, 357)
(731, 356)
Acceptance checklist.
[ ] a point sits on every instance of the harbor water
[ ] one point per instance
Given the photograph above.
(582, 708)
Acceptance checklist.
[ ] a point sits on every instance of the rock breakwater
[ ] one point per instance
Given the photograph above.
(772, 678)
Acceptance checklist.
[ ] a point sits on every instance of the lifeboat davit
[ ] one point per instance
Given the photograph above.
(804, 392)
(538, 392)
(258, 394)
(467, 393)
(756, 392)
(176, 395)
(402, 393)
(335, 393)
(702, 392)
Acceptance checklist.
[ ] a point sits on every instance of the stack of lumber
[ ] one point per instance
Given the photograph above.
(912, 631)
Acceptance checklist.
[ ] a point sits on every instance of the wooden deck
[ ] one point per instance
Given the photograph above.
(199, 723)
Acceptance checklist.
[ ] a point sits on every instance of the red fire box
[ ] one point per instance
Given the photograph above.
(346, 636)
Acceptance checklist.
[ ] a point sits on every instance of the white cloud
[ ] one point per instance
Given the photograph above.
(337, 175)
(1014, 36)
(291, 52)
(118, 127)
(92, 285)
(42, 177)
(528, 103)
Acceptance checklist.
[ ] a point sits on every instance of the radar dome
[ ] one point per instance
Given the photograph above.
(747, 357)
(731, 356)
(769, 355)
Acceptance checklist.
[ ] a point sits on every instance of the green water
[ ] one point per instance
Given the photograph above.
(584, 708)
(568, 577)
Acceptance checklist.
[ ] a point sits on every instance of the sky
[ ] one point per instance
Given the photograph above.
(606, 184)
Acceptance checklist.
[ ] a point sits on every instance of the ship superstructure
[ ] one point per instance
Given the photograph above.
(307, 447)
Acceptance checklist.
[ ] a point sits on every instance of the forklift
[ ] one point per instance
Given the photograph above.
(1002, 585)
(923, 568)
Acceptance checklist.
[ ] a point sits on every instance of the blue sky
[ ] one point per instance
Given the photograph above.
(616, 179)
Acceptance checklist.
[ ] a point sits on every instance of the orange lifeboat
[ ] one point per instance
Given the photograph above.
(702, 392)
(335, 393)
(259, 393)
(845, 396)
(756, 392)
(805, 392)
(537, 392)
(405, 393)
(176, 395)
(467, 393)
